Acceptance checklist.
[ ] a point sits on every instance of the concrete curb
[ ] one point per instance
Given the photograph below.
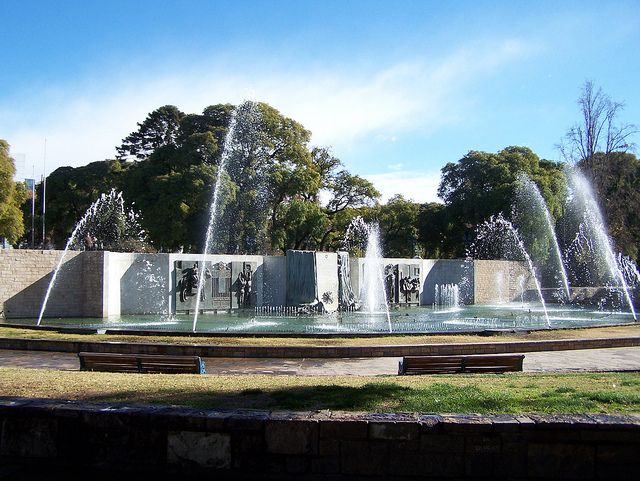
(248, 351)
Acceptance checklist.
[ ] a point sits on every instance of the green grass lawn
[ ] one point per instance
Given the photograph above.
(504, 393)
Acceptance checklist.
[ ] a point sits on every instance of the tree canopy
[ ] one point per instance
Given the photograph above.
(11, 197)
(277, 192)
(482, 184)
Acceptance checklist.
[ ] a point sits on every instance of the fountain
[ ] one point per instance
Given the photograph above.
(499, 236)
(105, 224)
(593, 230)
(447, 296)
(246, 112)
(530, 200)
(373, 295)
(499, 280)
(629, 271)
(384, 295)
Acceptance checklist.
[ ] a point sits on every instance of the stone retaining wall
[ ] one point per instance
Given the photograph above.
(496, 281)
(316, 445)
(25, 277)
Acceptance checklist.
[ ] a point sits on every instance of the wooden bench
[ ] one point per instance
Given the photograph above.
(144, 363)
(460, 364)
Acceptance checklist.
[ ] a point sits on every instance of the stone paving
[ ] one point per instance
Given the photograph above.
(614, 359)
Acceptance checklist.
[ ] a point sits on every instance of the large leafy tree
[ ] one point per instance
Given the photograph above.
(70, 191)
(436, 231)
(276, 193)
(618, 185)
(482, 184)
(347, 195)
(398, 220)
(159, 129)
(11, 197)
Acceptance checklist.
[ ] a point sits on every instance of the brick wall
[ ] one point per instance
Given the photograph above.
(316, 445)
(25, 277)
(500, 281)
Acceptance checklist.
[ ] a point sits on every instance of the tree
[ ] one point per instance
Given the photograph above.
(11, 197)
(398, 220)
(70, 192)
(270, 196)
(349, 196)
(598, 130)
(436, 231)
(482, 184)
(618, 185)
(600, 146)
(159, 129)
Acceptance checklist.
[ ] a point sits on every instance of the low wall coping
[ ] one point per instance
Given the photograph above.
(390, 350)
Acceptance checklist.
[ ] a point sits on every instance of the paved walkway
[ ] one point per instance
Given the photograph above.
(615, 359)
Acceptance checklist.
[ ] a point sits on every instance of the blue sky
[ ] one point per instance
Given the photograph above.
(395, 88)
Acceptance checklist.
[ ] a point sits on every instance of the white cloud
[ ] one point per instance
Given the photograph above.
(84, 122)
(413, 185)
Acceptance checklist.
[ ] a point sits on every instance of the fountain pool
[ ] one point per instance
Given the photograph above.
(414, 320)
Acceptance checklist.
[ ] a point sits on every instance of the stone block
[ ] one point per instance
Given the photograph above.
(296, 464)
(246, 421)
(429, 423)
(325, 465)
(364, 458)
(397, 431)
(441, 443)
(560, 460)
(486, 444)
(291, 437)
(405, 446)
(29, 437)
(206, 450)
(247, 442)
(438, 465)
(344, 429)
(619, 453)
(512, 462)
(466, 423)
(329, 447)
(147, 447)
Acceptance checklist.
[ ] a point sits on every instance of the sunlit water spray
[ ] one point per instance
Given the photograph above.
(597, 232)
(493, 231)
(246, 111)
(109, 222)
(374, 294)
(529, 197)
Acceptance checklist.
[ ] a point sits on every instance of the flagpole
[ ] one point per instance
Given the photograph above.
(33, 205)
(44, 191)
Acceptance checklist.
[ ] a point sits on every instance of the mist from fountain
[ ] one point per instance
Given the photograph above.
(109, 222)
(447, 296)
(246, 111)
(596, 232)
(629, 271)
(491, 234)
(373, 294)
(528, 197)
(499, 280)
